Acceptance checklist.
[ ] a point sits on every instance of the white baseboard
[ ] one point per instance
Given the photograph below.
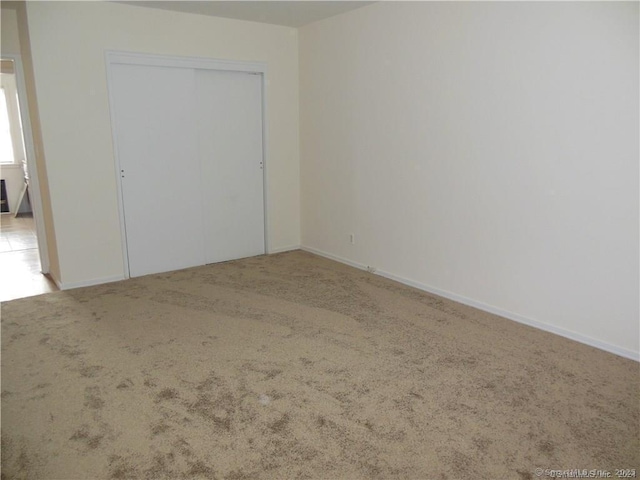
(55, 279)
(607, 347)
(283, 249)
(117, 278)
(334, 257)
(87, 283)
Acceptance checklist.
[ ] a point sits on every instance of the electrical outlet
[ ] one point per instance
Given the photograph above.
(352, 239)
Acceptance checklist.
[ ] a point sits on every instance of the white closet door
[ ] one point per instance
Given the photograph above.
(229, 122)
(158, 152)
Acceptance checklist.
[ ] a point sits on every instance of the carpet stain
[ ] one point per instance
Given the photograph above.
(524, 475)
(183, 447)
(280, 425)
(160, 468)
(167, 394)
(71, 352)
(149, 383)
(159, 429)
(83, 435)
(122, 469)
(546, 447)
(92, 399)
(239, 475)
(124, 384)
(209, 383)
(200, 469)
(90, 371)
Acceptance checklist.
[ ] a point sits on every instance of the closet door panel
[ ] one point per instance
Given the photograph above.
(229, 123)
(157, 141)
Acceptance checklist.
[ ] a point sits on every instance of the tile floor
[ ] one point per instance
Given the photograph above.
(19, 260)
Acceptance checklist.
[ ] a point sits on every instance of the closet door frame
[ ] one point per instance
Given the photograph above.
(143, 59)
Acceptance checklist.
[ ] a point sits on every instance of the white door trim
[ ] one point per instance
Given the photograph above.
(144, 59)
(35, 196)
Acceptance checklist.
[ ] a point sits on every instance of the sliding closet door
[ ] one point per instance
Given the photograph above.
(229, 123)
(157, 145)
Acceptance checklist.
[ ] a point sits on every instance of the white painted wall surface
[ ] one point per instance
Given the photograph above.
(487, 150)
(68, 41)
(9, 40)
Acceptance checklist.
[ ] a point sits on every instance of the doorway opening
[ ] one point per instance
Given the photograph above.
(21, 269)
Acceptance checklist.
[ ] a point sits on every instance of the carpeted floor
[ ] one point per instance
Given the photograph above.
(293, 366)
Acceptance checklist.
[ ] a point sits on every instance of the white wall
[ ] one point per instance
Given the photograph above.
(485, 150)
(9, 40)
(68, 41)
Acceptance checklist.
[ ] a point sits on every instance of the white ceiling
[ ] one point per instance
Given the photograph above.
(288, 13)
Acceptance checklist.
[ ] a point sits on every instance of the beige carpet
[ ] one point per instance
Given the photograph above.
(292, 366)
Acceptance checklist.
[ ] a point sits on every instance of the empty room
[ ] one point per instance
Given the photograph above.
(328, 240)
